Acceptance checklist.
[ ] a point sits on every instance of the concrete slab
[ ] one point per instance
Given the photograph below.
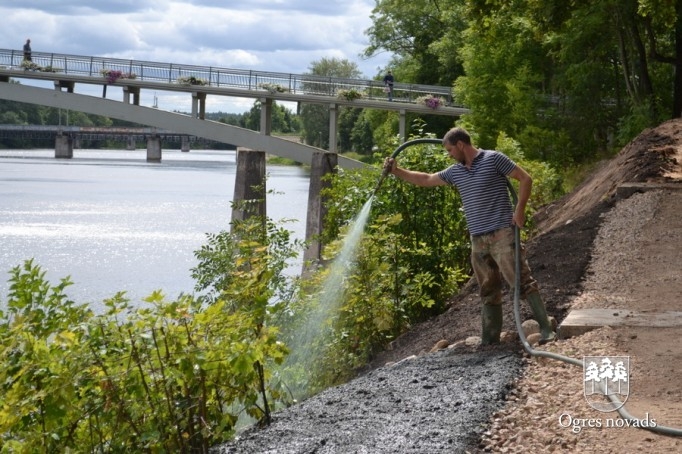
(625, 190)
(581, 321)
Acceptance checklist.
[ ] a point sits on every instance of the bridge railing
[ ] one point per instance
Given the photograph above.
(99, 67)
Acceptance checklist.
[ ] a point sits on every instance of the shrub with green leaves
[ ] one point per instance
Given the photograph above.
(167, 376)
(431, 231)
(411, 260)
(414, 254)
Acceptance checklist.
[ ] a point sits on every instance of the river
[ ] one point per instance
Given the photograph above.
(114, 222)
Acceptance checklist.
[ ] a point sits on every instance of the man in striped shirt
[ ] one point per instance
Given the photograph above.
(480, 176)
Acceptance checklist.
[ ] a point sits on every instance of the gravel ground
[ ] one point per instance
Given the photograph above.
(436, 403)
(547, 410)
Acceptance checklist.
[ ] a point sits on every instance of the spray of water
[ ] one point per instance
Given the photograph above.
(331, 294)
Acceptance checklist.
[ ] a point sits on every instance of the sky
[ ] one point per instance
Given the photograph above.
(264, 35)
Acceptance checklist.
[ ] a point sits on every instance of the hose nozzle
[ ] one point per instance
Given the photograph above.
(384, 174)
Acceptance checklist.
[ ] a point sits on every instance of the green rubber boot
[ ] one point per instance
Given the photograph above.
(547, 334)
(491, 318)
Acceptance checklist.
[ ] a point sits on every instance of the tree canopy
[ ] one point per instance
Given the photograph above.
(567, 80)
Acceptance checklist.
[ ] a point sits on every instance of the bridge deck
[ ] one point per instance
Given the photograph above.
(68, 70)
(217, 80)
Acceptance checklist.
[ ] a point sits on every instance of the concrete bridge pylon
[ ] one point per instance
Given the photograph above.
(63, 147)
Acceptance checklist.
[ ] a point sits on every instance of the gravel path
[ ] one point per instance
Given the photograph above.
(635, 266)
(436, 403)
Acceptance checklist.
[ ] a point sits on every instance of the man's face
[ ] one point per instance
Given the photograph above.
(455, 151)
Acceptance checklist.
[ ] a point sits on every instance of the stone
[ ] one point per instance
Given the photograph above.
(530, 327)
(533, 339)
(440, 345)
(472, 341)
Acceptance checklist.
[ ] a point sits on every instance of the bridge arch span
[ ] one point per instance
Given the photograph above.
(176, 122)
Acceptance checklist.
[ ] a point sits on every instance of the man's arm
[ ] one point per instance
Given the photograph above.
(525, 187)
(411, 176)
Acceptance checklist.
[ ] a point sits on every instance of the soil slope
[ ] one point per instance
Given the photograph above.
(461, 399)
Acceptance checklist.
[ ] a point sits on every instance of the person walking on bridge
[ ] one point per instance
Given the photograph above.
(388, 85)
(27, 50)
(480, 176)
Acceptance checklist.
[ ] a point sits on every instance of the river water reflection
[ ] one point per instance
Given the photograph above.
(113, 221)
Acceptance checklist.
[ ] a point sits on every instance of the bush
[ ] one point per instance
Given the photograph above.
(172, 376)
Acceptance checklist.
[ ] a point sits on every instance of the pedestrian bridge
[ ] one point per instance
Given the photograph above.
(66, 71)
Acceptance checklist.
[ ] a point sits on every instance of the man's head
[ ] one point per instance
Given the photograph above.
(455, 141)
(455, 135)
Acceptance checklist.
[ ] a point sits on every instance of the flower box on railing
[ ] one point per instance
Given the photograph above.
(31, 66)
(349, 95)
(430, 101)
(273, 88)
(191, 80)
(113, 75)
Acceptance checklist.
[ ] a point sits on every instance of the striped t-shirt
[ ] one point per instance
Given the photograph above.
(483, 190)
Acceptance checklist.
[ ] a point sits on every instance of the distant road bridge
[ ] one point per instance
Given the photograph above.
(123, 134)
(65, 71)
(87, 132)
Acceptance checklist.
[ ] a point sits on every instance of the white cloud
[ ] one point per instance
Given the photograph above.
(264, 35)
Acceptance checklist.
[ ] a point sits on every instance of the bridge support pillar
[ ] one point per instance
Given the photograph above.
(131, 143)
(266, 116)
(63, 147)
(199, 105)
(321, 165)
(153, 149)
(184, 143)
(333, 124)
(249, 185)
(135, 91)
(68, 84)
(402, 129)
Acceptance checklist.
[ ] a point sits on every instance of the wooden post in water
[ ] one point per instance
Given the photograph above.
(249, 185)
(322, 164)
(63, 147)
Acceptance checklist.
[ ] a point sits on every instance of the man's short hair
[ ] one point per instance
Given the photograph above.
(455, 135)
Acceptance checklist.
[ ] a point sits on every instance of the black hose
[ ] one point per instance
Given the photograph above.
(397, 151)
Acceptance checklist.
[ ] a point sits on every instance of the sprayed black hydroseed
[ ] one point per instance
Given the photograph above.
(436, 403)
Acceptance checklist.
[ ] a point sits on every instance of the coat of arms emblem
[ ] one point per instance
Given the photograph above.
(606, 381)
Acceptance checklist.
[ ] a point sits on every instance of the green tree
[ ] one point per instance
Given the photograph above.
(411, 30)
(361, 140)
(565, 79)
(315, 117)
(348, 117)
(663, 24)
(282, 119)
(568, 80)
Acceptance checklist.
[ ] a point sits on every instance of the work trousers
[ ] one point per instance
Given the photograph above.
(493, 258)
